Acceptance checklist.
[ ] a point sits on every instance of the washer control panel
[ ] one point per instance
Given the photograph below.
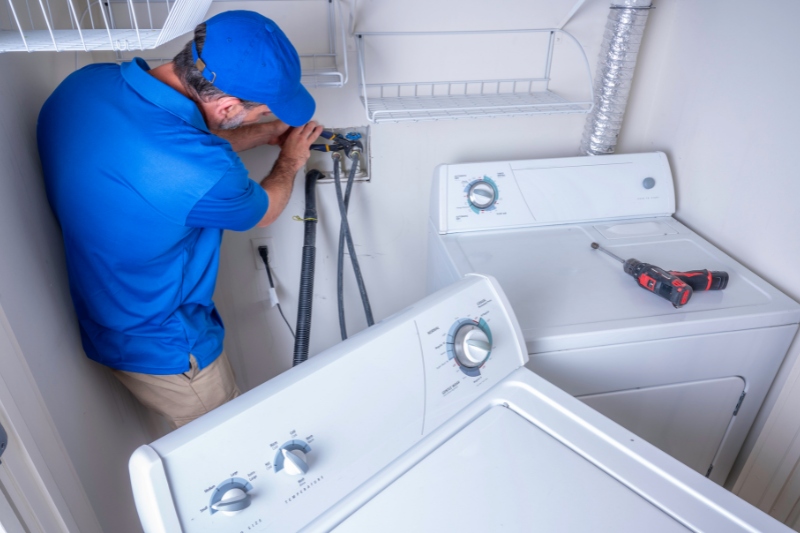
(467, 354)
(279, 456)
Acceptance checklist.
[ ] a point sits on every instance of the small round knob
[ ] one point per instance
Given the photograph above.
(481, 194)
(471, 345)
(233, 501)
(291, 457)
(294, 462)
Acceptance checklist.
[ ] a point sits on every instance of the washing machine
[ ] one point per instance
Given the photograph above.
(690, 380)
(426, 422)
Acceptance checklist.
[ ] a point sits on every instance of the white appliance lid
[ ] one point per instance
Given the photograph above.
(503, 473)
(560, 287)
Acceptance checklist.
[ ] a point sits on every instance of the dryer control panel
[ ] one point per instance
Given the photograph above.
(491, 195)
(282, 454)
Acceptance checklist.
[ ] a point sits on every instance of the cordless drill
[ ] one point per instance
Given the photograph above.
(675, 287)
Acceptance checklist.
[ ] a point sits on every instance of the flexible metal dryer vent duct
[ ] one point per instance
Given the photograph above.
(612, 84)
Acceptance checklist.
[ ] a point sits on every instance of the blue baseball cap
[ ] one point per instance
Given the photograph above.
(246, 55)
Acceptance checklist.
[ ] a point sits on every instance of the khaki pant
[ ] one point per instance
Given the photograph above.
(181, 398)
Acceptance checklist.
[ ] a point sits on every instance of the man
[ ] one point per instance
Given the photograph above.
(141, 172)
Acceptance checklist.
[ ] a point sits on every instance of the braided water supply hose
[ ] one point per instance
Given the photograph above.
(345, 237)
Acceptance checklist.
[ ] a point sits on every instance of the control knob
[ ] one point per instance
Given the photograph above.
(482, 194)
(291, 458)
(231, 497)
(472, 346)
(294, 462)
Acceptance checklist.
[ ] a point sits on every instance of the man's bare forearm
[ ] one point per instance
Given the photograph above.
(294, 154)
(278, 185)
(246, 137)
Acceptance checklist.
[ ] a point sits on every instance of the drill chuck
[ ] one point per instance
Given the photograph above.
(630, 266)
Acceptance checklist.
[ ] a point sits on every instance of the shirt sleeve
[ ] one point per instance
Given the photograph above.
(236, 202)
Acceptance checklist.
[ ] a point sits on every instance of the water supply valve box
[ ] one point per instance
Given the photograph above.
(323, 161)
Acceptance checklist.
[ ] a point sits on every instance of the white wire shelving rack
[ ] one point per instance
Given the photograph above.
(323, 69)
(92, 25)
(473, 98)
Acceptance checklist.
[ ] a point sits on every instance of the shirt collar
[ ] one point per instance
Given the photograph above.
(136, 74)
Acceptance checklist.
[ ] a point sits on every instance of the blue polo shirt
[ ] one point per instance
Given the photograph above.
(142, 191)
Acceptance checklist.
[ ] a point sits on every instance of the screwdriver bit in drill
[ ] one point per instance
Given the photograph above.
(654, 279)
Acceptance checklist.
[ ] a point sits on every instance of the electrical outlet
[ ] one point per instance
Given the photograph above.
(323, 161)
(264, 241)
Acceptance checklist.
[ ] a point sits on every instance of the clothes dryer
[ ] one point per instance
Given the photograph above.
(426, 422)
(688, 380)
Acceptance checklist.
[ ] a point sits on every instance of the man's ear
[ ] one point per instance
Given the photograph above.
(225, 107)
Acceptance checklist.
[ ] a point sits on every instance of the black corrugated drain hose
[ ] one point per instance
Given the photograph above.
(303, 327)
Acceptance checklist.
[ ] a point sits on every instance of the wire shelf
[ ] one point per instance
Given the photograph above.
(320, 69)
(89, 25)
(435, 100)
(323, 69)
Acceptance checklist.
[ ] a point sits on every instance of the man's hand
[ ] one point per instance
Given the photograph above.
(295, 151)
(296, 147)
(246, 137)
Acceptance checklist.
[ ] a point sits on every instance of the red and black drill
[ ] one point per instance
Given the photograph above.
(675, 287)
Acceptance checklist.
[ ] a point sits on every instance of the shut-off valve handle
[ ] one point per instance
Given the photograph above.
(339, 143)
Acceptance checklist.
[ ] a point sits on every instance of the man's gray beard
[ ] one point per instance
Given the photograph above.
(233, 122)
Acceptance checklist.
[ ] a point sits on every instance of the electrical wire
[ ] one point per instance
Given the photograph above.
(287, 322)
(263, 252)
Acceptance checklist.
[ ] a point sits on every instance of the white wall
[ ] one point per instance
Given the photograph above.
(98, 422)
(716, 89)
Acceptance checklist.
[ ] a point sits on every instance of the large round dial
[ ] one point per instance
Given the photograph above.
(231, 497)
(472, 346)
(482, 194)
